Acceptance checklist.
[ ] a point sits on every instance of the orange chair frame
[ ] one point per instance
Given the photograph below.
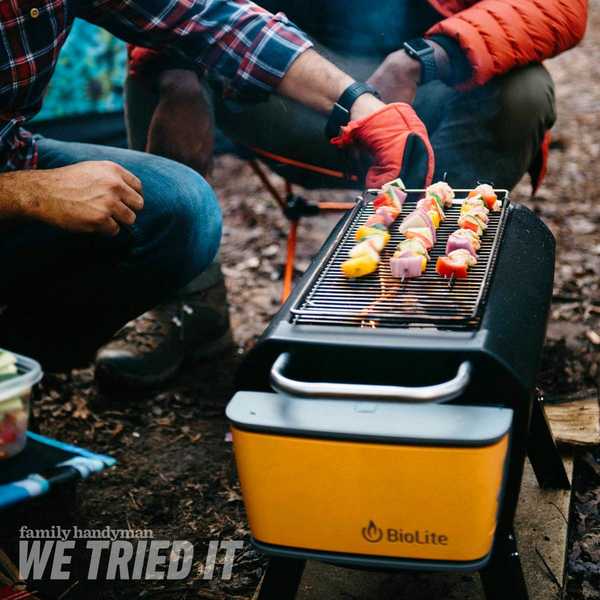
(282, 200)
(292, 236)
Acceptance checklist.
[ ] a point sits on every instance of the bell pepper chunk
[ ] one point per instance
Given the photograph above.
(446, 267)
(363, 232)
(359, 266)
(471, 224)
(388, 198)
(487, 194)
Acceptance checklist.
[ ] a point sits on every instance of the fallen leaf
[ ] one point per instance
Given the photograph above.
(593, 337)
(81, 408)
(116, 430)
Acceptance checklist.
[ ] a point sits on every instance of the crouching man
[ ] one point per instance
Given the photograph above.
(93, 236)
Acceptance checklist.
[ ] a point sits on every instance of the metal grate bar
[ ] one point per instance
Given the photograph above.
(380, 300)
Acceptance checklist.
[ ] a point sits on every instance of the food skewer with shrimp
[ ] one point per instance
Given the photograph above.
(419, 230)
(373, 236)
(464, 243)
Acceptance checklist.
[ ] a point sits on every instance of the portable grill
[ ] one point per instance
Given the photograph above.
(402, 411)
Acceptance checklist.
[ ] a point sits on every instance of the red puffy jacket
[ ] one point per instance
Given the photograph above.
(499, 35)
(496, 35)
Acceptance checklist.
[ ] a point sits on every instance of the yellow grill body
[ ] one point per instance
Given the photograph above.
(417, 502)
(378, 479)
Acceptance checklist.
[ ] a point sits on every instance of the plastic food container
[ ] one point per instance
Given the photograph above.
(18, 375)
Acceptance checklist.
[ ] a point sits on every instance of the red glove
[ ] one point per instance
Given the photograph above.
(394, 136)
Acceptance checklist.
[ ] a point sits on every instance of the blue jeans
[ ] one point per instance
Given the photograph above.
(64, 294)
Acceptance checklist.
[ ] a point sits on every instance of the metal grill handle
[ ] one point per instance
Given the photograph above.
(441, 392)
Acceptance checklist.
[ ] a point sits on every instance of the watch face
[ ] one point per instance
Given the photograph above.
(418, 45)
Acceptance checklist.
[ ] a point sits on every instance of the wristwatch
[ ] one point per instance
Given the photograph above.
(420, 50)
(340, 115)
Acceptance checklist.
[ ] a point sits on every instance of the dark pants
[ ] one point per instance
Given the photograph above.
(65, 294)
(491, 133)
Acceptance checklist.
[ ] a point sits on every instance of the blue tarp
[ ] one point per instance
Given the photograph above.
(43, 464)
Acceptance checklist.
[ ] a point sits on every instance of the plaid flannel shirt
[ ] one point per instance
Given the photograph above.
(243, 43)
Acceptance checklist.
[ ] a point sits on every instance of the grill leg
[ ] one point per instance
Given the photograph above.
(503, 577)
(282, 579)
(543, 453)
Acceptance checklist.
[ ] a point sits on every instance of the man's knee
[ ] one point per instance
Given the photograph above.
(197, 217)
(527, 106)
(182, 224)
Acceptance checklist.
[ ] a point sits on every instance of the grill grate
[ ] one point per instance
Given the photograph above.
(379, 300)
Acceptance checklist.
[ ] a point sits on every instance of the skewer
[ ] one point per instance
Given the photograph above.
(373, 234)
(451, 281)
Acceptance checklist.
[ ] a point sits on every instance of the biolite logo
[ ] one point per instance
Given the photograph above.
(372, 533)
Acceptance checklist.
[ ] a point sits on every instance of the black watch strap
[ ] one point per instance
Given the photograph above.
(340, 115)
(420, 50)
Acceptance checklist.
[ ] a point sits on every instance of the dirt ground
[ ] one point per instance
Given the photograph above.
(175, 473)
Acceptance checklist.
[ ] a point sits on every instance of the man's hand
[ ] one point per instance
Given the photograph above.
(396, 139)
(182, 125)
(88, 197)
(397, 78)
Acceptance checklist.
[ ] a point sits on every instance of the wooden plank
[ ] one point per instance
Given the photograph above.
(576, 423)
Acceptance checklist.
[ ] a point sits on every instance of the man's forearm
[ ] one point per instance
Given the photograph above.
(274, 53)
(18, 193)
(317, 83)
